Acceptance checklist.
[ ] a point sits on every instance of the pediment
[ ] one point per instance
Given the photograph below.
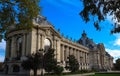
(50, 31)
(42, 23)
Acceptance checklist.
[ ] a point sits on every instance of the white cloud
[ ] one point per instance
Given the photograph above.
(2, 45)
(74, 3)
(114, 52)
(117, 41)
(1, 58)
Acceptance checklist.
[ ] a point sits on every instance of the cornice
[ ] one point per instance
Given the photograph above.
(71, 43)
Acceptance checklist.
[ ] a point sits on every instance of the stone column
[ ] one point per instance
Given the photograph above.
(53, 45)
(38, 47)
(78, 56)
(23, 45)
(67, 52)
(26, 44)
(56, 48)
(37, 40)
(39, 43)
(7, 49)
(42, 41)
(61, 57)
(84, 57)
(70, 50)
(85, 61)
(75, 53)
(62, 53)
(87, 58)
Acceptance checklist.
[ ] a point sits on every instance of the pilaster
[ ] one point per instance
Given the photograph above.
(23, 45)
(7, 49)
(13, 52)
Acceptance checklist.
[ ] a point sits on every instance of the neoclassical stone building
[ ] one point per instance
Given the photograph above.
(99, 59)
(20, 43)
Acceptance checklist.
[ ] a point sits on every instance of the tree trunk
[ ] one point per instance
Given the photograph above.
(35, 72)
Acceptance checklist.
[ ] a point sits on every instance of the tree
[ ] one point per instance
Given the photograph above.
(73, 64)
(49, 60)
(101, 9)
(18, 13)
(117, 64)
(33, 62)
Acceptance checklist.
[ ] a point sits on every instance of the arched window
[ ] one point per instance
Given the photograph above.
(16, 68)
(19, 46)
(47, 44)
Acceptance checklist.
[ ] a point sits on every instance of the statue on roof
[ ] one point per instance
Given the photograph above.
(84, 34)
(41, 20)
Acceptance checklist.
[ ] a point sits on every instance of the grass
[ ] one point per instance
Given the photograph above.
(106, 74)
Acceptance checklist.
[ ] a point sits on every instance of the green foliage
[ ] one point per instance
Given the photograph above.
(102, 9)
(19, 13)
(73, 64)
(49, 60)
(84, 71)
(33, 62)
(58, 70)
(117, 64)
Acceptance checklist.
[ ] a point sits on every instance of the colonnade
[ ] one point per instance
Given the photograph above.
(11, 45)
(80, 55)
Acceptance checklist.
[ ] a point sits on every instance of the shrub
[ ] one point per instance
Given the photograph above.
(73, 64)
(58, 70)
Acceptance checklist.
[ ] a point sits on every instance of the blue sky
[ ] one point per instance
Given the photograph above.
(64, 15)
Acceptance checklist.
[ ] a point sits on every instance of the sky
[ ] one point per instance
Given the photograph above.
(64, 15)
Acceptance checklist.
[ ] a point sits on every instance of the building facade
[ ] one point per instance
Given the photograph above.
(99, 59)
(21, 43)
